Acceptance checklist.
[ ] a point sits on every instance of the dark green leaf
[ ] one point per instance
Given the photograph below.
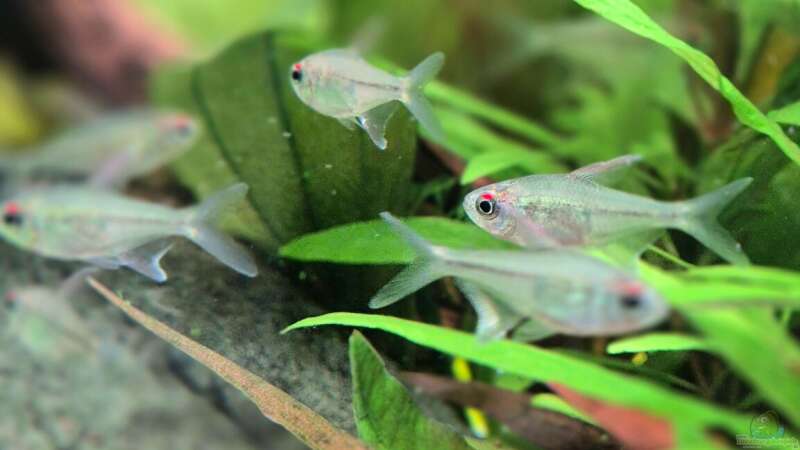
(386, 415)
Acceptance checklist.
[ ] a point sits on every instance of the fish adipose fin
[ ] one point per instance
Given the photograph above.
(415, 100)
(700, 221)
(494, 321)
(425, 269)
(606, 172)
(374, 122)
(200, 229)
(348, 123)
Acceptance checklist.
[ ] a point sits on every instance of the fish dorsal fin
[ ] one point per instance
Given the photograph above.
(374, 122)
(494, 320)
(606, 172)
(147, 259)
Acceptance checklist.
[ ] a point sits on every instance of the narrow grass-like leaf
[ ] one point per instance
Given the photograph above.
(656, 342)
(489, 163)
(626, 14)
(386, 416)
(789, 114)
(374, 243)
(275, 404)
(689, 416)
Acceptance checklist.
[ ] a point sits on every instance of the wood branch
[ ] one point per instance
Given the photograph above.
(109, 46)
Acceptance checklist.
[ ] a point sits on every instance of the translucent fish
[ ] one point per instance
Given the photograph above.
(339, 83)
(109, 150)
(110, 231)
(576, 209)
(556, 291)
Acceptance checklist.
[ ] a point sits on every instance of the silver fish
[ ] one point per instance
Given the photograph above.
(557, 291)
(109, 230)
(576, 209)
(339, 83)
(110, 150)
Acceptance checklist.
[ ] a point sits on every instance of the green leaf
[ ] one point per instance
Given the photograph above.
(305, 171)
(789, 114)
(386, 415)
(656, 342)
(204, 169)
(690, 417)
(215, 23)
(629, 16)
(374, 243)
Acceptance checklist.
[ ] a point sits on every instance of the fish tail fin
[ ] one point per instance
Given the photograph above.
(701, 221)
(200, 229)
(414, 98)
(425, 269)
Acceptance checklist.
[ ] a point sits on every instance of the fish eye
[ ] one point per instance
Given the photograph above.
(630, 301)
(12, 216)
(486, 206)
(297, 73)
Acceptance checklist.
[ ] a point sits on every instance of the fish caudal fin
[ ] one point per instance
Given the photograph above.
(414, 98)
(701, 221)
(423, 271)
(200, 229)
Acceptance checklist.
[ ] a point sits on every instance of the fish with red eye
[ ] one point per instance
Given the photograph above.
(12, 214)
(297, 72)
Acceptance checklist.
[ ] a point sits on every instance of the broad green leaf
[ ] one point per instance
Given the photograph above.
(690, 417)
(656, 342)
(305, 171)
(204, 169)
(19, 125)
(386, 416)
(628, 15)
(275, 404)
(374, 243)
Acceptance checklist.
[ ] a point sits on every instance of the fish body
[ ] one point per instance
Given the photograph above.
(110, 230)
(340, 84)
(561, 291)
(111, 149)
(571, 210)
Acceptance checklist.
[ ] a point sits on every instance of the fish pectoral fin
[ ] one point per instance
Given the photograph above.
(494, 321)
(147, 259)
(350, 124)
(532, 330)
(606, 172)
(626, 253)
(375, 120)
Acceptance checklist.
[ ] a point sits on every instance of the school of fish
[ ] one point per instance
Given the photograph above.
(62, 201)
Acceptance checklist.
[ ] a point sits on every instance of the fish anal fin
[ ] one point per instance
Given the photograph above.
(532, 330)
(494, 321)
(374, 122)
(606, 172)
(147, 259)
(626, 252)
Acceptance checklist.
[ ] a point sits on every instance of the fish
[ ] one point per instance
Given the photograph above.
(578, 209)
(108, 230)
(536, 294)
(339, 83)
(109, 150)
